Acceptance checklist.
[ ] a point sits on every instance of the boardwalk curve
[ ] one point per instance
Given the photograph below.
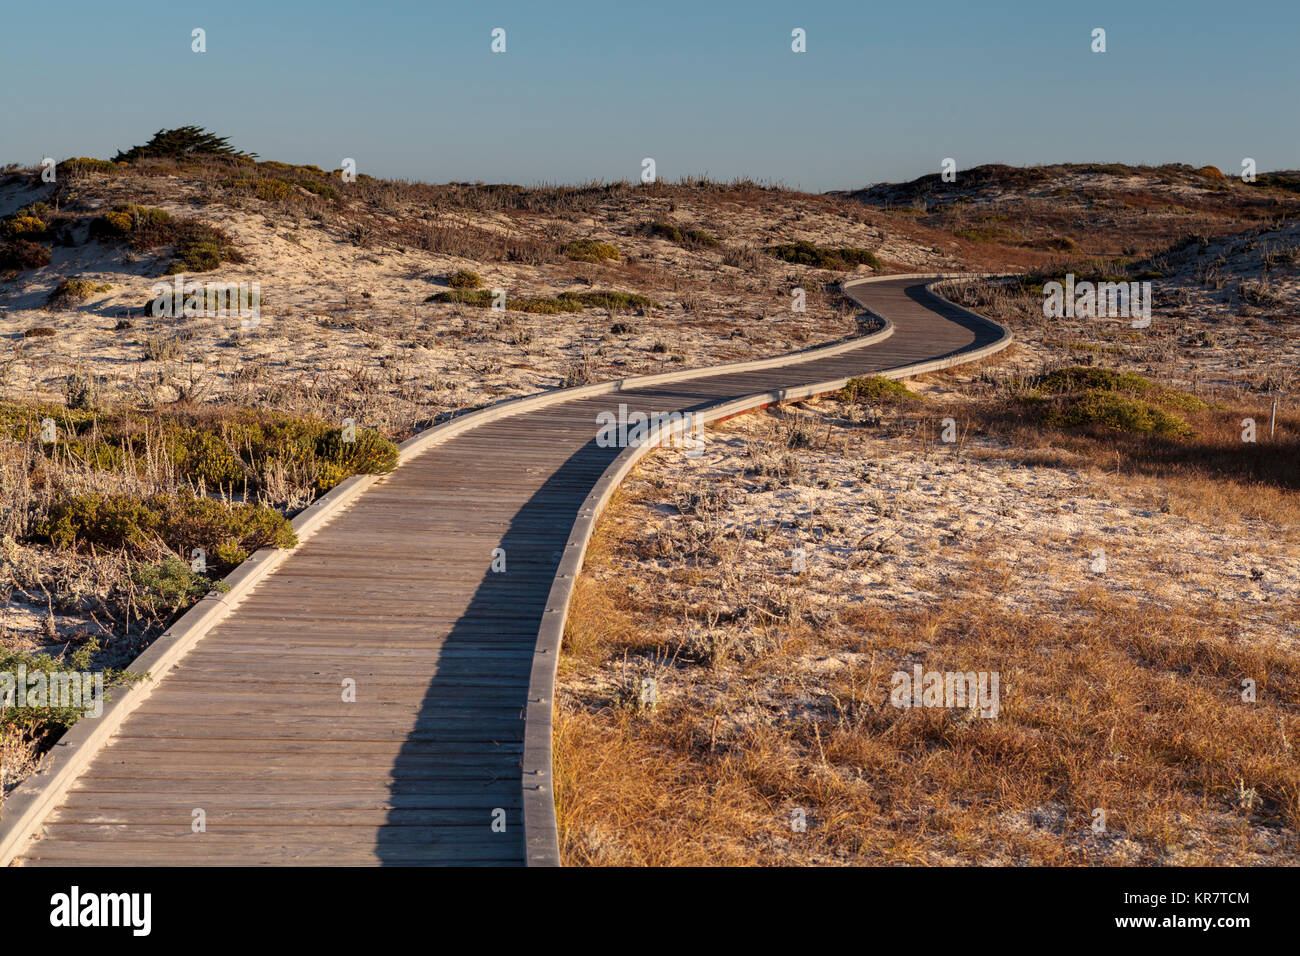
(453, 664)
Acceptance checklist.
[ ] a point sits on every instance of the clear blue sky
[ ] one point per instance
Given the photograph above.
(887, 88)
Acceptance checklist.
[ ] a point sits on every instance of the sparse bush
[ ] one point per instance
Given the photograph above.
(70, 168)
(985, 234)
(79, 391)
(70, 292)
(1260, 293)
(139, 524)
(613, 301)
(22, 226)
(674, 233)
(167, 587)
(1080, 378)
(806, 253)
(875, 388)
(160, 348)
(1115, 411)
(464, 279)
(1059, 243)
(43, 722)
(23, 254)
(589, 250)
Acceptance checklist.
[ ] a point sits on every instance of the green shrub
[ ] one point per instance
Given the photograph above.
(84, 164)
(42, 722)
(875, 388)
(22, 226)
(225, 453)
(202, 248)
(168, 587)
(614, 301)
(822, 257)
(480, 298)
(589, 250)
(368, 454)
(99, 521)
(1117, 412)
(674, 233)
(128, 219)
(69, 292)
(1080, 378)
(320, 189)
(667, 230)
(205, 456)
(464, 279)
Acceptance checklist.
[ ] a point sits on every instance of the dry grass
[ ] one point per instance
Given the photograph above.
(773, 687)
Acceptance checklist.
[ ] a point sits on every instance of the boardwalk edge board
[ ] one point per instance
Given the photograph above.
(26, 808)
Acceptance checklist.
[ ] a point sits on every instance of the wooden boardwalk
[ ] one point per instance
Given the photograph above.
(397, 594)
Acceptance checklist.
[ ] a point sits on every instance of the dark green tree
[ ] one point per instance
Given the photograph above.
(182, 142)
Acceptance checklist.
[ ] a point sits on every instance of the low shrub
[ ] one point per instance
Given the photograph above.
(1080, 378)
(198, 246)
(42, 722)
(614, 301)
(23, 254)
(70, 292)
(165, 588)
(140, 223)
(464, 279)
(222, 452)
(320, 189)
(202, 248)
(821, 257)
(875, 388)
(22, 226)
(1058, 243)
(228, 532)
(674, 233)
(985, 234)
(84, 164)
(589, 250)
(1114, 411)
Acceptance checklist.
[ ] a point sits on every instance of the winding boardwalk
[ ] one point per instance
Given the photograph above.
(396, 593)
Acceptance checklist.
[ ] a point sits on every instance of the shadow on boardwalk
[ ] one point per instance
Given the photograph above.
(471, 724)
